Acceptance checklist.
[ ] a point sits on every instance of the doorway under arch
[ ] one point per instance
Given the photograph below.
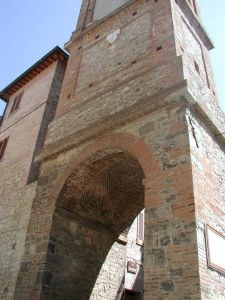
(93, 213)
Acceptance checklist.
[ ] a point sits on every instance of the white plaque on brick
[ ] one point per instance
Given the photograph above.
(215, 249)
(106, 7)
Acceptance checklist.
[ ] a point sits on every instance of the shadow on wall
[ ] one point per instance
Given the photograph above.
(97, 204)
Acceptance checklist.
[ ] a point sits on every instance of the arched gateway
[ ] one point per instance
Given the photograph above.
(91, 207)
(136, 127)
(76, 240)
(95, 207)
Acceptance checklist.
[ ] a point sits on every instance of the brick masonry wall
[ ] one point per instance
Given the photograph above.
(208, 163)
(207, 149)
(171, 245)
(191, 47)
(96, 67)
(32, 98)
(81, 272)
(22, 128)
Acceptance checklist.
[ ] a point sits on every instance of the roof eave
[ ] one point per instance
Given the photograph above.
(5, 96)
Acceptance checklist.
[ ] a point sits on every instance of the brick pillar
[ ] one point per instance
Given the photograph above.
(70, 80)
(86, 13)
(90, 12)
(170, 251)
(83, 15)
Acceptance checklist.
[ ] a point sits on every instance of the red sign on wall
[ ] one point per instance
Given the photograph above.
(132, 267)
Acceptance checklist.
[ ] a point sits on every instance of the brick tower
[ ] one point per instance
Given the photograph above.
(137, 127)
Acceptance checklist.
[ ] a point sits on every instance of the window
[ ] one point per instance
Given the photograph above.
(197, 67)
(3, 145)
(140, 228)
(16, 103)
(215, 246)
(5, 107)
(106, 7)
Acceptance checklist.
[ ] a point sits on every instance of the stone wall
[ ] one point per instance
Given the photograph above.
(208, 163)
(97, 66)
(170, 259)
(193, 45)
(206, 127)
(93, 267)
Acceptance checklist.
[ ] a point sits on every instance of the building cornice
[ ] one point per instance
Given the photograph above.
(54, 55)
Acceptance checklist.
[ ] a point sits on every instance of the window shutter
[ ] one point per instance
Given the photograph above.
(3, 145)
(140, 228)
(13, 106)
(18, 101)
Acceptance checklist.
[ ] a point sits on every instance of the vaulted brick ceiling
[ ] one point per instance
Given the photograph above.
(105, 191)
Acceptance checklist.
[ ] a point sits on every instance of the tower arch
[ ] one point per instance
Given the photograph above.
(94, 209)
(126, 142)
(91, 207)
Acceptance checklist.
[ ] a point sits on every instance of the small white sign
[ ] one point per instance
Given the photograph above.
(215, 249)
(112, 37)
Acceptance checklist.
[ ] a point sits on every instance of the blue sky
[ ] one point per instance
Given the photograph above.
(29, 29)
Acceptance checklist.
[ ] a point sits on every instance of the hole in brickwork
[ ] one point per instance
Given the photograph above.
(134, 13)
(197, 67)
(159, 48)
(195, 7)
(51, 248)
(47, 277)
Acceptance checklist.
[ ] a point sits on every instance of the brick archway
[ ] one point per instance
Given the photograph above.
(121, 158)
(99, 195)
(126, 142)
